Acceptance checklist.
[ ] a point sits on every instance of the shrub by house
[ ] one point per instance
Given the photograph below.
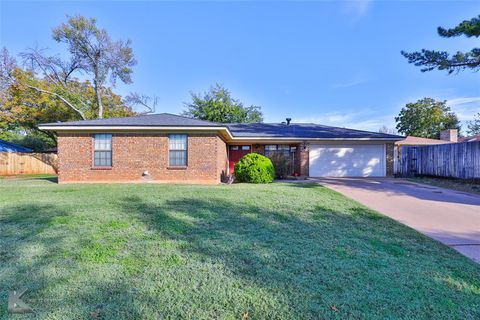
(254, 168)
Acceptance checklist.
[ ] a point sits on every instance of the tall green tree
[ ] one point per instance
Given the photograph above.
(426, 118)
(442, 60)
(45, 88)
(23, 108)
(217, 105)
(474, 126)
(94, 53)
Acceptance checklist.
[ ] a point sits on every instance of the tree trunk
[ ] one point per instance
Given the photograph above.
(99, 99)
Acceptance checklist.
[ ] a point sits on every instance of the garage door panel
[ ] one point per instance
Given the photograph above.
(347, 161)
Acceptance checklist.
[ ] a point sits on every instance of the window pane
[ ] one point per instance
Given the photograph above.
(177, 158)
(271, 147)
(177, 155)
(103, 141)
(245, 147)
(102, 159)
(178, 142)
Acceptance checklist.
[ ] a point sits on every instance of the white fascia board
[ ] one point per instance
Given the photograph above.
(133, 128)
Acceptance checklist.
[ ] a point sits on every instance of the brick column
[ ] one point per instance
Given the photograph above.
(389, 158)
(303, 152)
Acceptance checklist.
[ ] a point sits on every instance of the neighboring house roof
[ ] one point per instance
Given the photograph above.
(6, 146)
(417, 141)
(470, 139)
(235, 130)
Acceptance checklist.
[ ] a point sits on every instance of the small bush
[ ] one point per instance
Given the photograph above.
(254, 168)
(282, 165)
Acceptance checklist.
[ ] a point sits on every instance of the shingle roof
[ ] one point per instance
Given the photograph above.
(260, 130)
(160, 119)
(416, 141)
(302, 130)
(6, 146)
(470, 139)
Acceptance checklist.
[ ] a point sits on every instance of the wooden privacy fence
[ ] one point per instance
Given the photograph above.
(12, 163)
(453, 160)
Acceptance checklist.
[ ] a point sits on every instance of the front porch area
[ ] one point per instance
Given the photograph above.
(289, 159)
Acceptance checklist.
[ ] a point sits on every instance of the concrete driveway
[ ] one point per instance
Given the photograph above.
(449, 216)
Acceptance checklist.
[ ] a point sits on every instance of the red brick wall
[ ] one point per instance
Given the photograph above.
(134, 153)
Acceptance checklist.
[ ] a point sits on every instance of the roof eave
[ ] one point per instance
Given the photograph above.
(91, 128)
(224, 129)
(318, 139)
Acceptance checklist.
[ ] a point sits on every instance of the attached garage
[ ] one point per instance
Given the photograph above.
(356, 160)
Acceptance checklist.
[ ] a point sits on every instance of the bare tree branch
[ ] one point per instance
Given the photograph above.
(80, 112)
(135, 99)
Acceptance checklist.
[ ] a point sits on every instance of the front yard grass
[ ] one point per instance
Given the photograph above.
(280, 251)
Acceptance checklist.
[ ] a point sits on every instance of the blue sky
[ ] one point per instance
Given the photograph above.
(334, 62)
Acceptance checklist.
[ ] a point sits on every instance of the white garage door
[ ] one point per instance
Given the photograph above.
(347, 160)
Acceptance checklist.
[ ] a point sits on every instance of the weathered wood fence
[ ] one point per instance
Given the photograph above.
(12, 163)
(453, 160)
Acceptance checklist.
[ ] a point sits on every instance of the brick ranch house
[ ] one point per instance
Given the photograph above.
(171, 148)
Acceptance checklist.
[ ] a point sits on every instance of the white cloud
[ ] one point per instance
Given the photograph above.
(357, 9)
(348, 84)
(363, 120)
(371, 120)
(465, 107)
(327, 118)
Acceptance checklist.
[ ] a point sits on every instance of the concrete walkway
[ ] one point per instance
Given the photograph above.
(449, 216)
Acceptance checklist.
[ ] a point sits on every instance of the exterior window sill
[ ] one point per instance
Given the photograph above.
(177, 168)
(101, 168)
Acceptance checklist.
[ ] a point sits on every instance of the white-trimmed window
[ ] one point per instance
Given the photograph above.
(177, 150)
(271, 149)
(102, 154)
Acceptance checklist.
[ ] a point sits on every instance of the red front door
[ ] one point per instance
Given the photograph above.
(235, 153)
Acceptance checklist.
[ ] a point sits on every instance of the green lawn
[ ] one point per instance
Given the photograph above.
(281, 251)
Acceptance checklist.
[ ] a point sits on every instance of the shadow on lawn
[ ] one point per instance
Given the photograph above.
(310, 260)
(49, 179)
(326, 257)
(42, 177)
(33, 255)
(305, 184)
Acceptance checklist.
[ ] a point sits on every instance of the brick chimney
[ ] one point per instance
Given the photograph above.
(449, 135)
